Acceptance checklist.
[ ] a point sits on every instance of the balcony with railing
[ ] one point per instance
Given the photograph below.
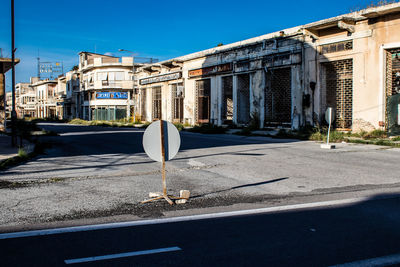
(106, 61)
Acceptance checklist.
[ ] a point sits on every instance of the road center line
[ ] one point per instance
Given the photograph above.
(122, 255)
(380, 261)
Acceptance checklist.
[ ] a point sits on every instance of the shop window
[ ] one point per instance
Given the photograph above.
(119, 76)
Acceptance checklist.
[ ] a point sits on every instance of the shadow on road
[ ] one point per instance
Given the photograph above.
(241, 186)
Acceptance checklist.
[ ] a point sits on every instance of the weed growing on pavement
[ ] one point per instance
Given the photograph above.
(179, 126)
(208, 129)
(22, 154)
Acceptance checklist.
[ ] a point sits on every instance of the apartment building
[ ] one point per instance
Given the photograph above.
(106, 87)
(25, 100)
(72, 83)
(45, 98)
(287, 78)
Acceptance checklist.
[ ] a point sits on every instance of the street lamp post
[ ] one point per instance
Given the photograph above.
(133, 82)
(13, 112)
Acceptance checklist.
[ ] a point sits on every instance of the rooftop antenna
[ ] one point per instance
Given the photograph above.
(38, 65)
(1, 52)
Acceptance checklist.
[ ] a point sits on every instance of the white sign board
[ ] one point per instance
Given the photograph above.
(152, 141)
(329, 115)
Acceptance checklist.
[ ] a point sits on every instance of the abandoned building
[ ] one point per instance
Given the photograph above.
(287, 78)
(106, 87)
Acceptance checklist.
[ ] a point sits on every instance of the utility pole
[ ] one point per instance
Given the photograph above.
(13, 112)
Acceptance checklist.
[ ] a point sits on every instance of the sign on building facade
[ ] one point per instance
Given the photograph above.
(111, 95)
(211, 70)
(161, 78)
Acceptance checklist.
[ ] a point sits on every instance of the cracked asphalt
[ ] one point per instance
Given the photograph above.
(96, 174)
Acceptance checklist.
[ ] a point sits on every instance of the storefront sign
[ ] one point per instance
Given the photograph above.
(211, 70)
(111, 95)
(161, 78)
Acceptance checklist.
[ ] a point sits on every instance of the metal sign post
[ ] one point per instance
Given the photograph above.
(162, 151)
(329, 117)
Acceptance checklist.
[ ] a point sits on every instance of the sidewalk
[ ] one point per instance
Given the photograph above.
(6, 150)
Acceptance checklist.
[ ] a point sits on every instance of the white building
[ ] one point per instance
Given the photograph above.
(107, 86)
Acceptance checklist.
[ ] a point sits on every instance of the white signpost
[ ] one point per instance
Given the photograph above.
(161, 142)
(329, 117)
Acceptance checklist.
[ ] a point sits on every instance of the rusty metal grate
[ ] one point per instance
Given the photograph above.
(278, 96)
(337, 47)
(339, 91)
(243, 103)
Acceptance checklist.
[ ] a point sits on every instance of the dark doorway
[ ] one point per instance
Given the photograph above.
(227, 98)
(278, 97)
(243, 102)
(203, 89)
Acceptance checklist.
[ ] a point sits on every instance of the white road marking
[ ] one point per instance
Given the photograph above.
(101, 132)
(181, 219)
(122, 255)
(380, 261)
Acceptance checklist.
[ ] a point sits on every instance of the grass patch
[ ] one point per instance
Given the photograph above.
(397, 138)
(22, 154)
(115, 123)
(381, 142)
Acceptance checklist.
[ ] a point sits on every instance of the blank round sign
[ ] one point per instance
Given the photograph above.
(152, 141)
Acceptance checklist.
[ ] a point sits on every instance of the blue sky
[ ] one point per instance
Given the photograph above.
(160, 29)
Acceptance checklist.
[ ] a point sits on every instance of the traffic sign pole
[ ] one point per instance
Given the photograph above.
(168, 147)
(164, 180)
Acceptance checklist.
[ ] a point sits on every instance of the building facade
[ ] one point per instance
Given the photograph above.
(106, 87)
(287, 78)
(45, 98)
(25, 100)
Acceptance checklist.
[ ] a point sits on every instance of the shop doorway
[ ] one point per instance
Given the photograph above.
(393, 91)
(203, 89)
(338, 93)
(157, 103)
(227, 99)
(243, 102)
(278, 97)
(177, 91)
(143, 115)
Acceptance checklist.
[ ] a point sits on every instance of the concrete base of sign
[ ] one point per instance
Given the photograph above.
(184, 195)
(328, 146)
(155, 194)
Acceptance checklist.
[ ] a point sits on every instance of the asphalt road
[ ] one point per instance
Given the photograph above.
(322, 236)
(100, 174)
